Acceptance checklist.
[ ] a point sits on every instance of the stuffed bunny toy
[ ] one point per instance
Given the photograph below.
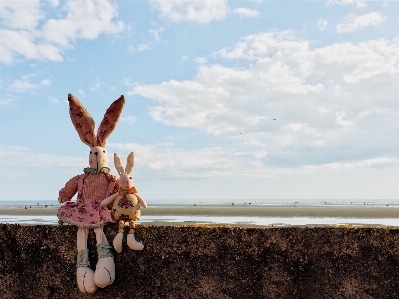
(126, 204)
(92, 187)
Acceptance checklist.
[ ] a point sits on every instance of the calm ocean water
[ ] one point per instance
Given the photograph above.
(263, 221)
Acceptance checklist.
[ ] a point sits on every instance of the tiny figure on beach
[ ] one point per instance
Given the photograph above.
(95, 184)
(125, 204)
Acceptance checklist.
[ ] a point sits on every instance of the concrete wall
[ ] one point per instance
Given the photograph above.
(209, 262)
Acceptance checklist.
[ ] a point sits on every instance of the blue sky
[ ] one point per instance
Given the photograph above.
(203, 82)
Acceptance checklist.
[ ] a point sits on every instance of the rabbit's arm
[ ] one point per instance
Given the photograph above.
(141, 200)
(109, 199)
(70, 189)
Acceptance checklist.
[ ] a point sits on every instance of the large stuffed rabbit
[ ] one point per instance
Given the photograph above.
(126, 204)
(93, 186)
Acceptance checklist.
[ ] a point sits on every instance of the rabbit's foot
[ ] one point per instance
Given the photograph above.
(118, 242)
(85, 275)
(105, 269)
(133, 244)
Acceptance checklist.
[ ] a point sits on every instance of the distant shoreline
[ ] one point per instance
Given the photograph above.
(236, 210)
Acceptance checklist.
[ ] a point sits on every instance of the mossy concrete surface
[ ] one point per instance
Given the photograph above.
(209, 262)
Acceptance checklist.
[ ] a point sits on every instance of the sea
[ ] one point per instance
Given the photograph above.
(212, 220)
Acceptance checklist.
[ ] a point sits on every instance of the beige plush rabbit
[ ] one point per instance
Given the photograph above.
(126, 204)
(93, 186)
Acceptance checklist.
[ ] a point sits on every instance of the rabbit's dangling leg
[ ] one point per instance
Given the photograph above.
(84, 275)
(131, 241)
(105, 269)
(119, 236)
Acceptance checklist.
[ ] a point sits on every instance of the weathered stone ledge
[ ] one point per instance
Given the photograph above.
(209, 262)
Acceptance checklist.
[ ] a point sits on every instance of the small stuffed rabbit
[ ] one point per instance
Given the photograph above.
(126, 204)
(93, 186)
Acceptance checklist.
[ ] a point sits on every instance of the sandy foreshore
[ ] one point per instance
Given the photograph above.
(248, 211)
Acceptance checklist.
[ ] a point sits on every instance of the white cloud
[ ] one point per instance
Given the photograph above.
(54, 3)
(148, 44)
(141, 47)
(245, 12)
(167, 160)
(322, 98)
(53, 100)
(25, 85)
(22, 36)
(129, 119)
(85, 19)
(20, 14)
(201, 60)
(45, 82)
(340, 120)
(16, 156)
(367, 163)
(322, 24)
(202, 12)
(156, 33)
(358, 62)
(357, 3)
(6, 101)
(97, 85)
(184, 59)
(353, 23)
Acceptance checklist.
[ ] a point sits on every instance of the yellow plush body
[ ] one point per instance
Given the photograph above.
(126, 207)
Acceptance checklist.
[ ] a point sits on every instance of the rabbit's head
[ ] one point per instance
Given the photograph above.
(125, 180)
(84, 125)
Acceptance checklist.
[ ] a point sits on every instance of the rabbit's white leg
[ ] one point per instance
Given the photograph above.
(105, 269)
(131, 241)
(119, 237)
(84, 275)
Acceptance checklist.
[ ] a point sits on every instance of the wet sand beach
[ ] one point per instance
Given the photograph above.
(241, 210)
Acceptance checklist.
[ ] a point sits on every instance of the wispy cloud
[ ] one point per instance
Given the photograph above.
(54, 3)
(26, 84)
(202, 12)
(156, 33)
(245, 12)
(129, 119)
(148, 44)
(53, 100)
(16, 156)
(201, 60)
(322, 24)
(353, 22)
(6, 101)
(357, 3)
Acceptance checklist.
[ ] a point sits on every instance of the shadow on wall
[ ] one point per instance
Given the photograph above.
(208, 262)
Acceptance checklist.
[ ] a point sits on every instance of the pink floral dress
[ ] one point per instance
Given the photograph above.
(92, 188)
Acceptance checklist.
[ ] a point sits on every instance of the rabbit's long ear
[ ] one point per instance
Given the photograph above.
(82, 121)
(118, 164)
(110, 120)
(130, 163)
